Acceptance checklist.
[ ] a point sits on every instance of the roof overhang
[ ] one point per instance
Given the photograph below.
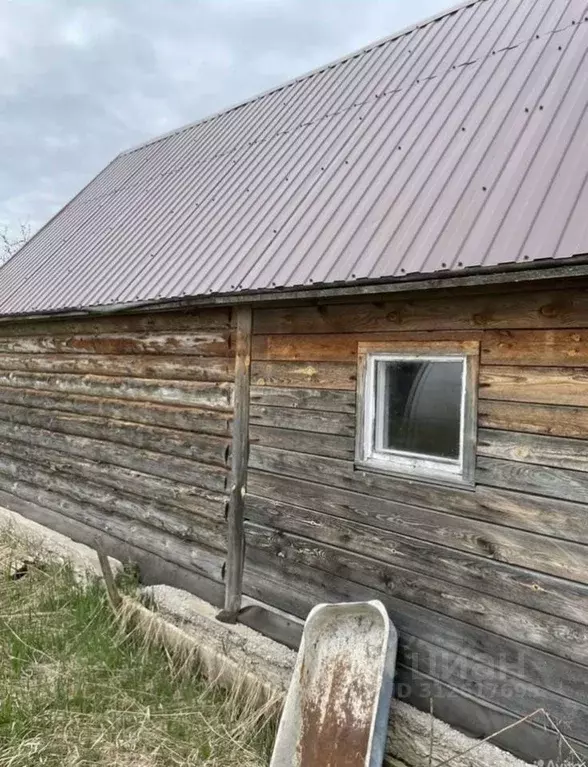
(573, 268)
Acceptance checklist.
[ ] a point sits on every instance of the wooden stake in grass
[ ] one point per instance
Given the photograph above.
(114, 597)
(185, 652)
(76, 690)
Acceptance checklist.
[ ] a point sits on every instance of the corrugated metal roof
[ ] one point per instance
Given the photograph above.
(458, 143)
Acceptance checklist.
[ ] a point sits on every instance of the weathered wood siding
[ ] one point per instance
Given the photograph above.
(488, 587)
(119, 428)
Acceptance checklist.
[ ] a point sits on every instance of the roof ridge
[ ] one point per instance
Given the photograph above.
(299, 78)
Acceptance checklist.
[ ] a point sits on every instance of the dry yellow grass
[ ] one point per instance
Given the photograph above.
(76, 690)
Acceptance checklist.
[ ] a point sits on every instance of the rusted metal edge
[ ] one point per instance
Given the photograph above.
(336, 710)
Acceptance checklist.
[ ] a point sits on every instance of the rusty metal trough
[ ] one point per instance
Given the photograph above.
(336, 710)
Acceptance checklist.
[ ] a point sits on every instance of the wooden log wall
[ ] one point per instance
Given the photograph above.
(488, 586)
(119, 428)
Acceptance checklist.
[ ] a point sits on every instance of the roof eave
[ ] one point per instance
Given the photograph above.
(573, 268)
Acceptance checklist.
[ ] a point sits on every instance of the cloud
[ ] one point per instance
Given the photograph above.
(80, 80)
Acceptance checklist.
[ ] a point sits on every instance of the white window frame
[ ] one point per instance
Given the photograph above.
(369, 451)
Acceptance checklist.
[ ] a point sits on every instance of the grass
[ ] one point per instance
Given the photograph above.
(75, 690)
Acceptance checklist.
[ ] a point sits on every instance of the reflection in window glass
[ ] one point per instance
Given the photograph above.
(418, 407)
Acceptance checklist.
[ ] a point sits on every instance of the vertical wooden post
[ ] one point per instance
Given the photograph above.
(240, 454)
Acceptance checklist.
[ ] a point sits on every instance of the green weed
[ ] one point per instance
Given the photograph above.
(76, 691)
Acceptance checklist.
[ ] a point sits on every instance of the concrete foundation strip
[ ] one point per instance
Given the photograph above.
(236, 657)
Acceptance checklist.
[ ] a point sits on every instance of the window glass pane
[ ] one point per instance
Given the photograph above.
(418, 407)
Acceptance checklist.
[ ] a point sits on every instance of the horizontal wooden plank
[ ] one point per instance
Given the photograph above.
(553, 386)
(323, 422)
(213, 344)
(540, 449)
(432, 557)
(489, 684)
(177, 417)
(304, 441)
(558, 386)
(272, 587)
(205, 448)
(472, 670)
(458, 311)
(146, 461)
(206, 561)
(323, 400)
(526, 511)
(342, 347)
(535, 740)
(554, 348)
(539, 630)
(159, 367)
(208, 528)
(559, 421)
(424, 662)
(194, 320)
(271, 583)
(313, 375)
(496, 542)
(531, 478)
(318, 347)
(146, 486)
(153, 568)
(191, 393)
(432, 346)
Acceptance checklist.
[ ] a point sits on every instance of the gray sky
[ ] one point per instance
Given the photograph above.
(80, 80)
